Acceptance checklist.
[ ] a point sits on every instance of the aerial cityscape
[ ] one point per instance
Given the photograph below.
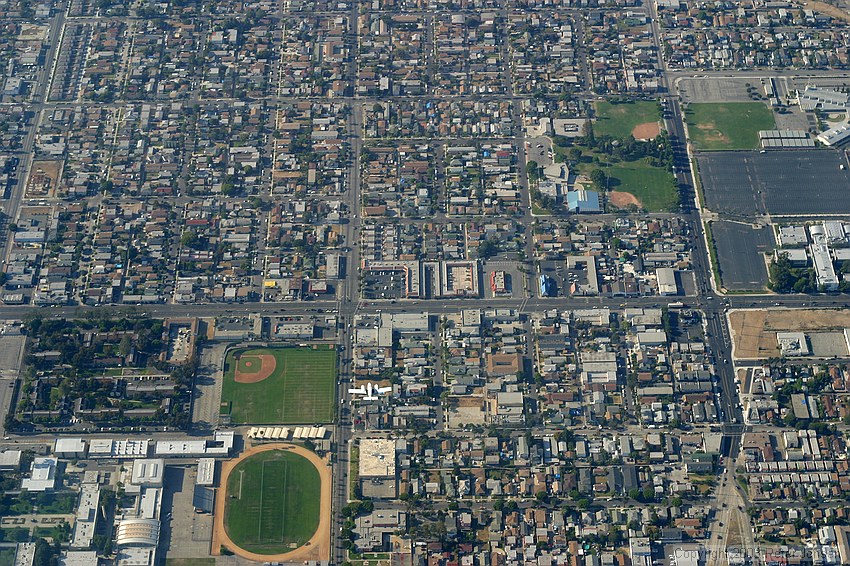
(424, 282)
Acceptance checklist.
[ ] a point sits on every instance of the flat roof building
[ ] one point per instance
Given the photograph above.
(826, 99)
(824, 269)
(86, 517)
(118, 449)
(206, 472)
(70, 448)
(10, 460)
(377, 457)
(835, 135)
(792, 344)
(666, 277)
(42, 476)
(148, 472)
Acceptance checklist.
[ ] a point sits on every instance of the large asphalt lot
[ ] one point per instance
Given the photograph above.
(740, 250)
(776, 182)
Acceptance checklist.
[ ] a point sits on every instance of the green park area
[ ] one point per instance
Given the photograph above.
(619, 119)
(627, 171)
(727, 125)
(300, 386)
(273, 501)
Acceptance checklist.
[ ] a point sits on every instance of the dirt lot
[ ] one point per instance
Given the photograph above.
(622, 199)
(754, 331)
(646, 131)
(828, 9)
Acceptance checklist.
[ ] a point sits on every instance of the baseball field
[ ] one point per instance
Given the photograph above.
(273, 502)
(279, 385)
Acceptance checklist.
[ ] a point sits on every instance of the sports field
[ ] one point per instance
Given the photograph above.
(279, 385)
(654, 187)
(273, 501)
(620, 120)
(727, 125)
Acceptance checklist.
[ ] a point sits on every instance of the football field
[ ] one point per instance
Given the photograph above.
(273, 502)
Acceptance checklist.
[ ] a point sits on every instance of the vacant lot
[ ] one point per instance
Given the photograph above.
(619, 120)
(301, 389)
(754, 332)
(732, 125)
(654, 187)
(273, 502)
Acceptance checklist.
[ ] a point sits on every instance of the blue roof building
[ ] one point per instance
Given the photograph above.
(583, 201)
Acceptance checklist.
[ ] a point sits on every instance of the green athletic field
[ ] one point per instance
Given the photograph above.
(272, 502)
(618, 120)
(301, 390)
(728, 125)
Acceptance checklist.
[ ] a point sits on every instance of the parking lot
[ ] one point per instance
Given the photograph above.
(514, 279)
(717, 89)
(740, 253)
(783, 182)
(188, 533)
(539, 150)
(388, 284)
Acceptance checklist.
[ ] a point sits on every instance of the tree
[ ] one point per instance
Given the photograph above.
(488, 248)
(44, 554)
(189, 239)
(599, 179)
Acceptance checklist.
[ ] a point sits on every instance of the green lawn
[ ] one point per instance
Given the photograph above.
(727, 125)
(300, 390)
(618, 120)
(14, 534)
(654, 187)
(272, 502)
(7, 555)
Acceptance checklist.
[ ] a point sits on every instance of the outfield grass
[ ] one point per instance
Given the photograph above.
(654, 187)
(618, 120)
(727, 125)
(273, 501)
(300, 390)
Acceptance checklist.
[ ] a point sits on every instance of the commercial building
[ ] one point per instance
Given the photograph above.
(459, 279)
(792, 344)
(507, 408)
(410, 271)
(666, 277)
(547, 286)
(377, 468)
(498, 282)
